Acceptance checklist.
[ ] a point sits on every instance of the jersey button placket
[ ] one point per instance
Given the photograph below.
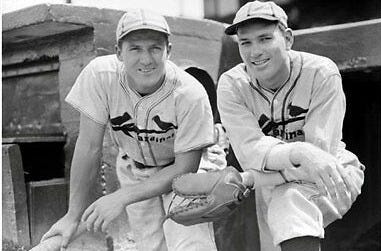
(140, 123)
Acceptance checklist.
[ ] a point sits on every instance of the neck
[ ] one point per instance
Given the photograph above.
(145, 90)
(278, 79)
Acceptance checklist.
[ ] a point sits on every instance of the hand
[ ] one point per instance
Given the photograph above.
(216, 155)
(326, 171)
(353, 178)
(66, 227)
(104, 210)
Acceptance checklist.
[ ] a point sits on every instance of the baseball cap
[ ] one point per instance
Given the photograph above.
(256, 9)
(140, 19)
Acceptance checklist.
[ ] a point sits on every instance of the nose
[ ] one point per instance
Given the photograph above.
(146, 58)
(255, 51)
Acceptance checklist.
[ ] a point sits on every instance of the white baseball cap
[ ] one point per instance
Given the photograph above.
(256, 9)
(141, 19)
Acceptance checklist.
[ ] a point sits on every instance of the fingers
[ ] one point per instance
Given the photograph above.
(87, 212)
(352, 183)
(97, 224)
(66, 237)
(104, 226)
(65, 241)
(52, 232)
(343, 199)
(90, 217)
(91, 220)
(327, 179)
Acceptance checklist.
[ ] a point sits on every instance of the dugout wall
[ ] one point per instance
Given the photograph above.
(46, 46)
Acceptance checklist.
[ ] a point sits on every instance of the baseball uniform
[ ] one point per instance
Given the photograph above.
(149, 130)
(308, 107)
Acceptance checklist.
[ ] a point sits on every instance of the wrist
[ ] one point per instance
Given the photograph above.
(296, 153)
(73, 216)
(123, 196)
(279, 157)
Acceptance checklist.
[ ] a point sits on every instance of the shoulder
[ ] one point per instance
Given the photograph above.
(235, 73)
(104, 64)
(100, 73)
(234, 80)
(316, 64)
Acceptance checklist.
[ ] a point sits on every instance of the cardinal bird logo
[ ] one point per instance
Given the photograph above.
(165, 126)
(296, 110)
(126, 124)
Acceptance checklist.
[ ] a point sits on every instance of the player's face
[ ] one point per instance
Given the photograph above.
(144, 53)
(263, 48)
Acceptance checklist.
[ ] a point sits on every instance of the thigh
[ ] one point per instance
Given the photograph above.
(145, 217)
(146, 221)
(293, 212)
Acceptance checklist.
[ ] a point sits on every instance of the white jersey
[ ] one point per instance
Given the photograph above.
(309, 106)
(150, 129)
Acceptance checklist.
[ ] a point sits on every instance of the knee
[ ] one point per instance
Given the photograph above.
(291, 214)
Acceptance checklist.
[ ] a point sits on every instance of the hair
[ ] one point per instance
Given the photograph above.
(121, 40)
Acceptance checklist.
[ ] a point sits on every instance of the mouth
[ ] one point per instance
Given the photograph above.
(260, 62)
(146, 70)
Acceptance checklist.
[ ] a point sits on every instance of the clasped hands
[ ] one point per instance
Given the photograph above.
(301, 161)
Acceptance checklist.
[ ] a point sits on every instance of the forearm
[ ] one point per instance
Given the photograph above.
(160, 182)
(83, 176)
(280, 166)
(255, 179)
(85, 163)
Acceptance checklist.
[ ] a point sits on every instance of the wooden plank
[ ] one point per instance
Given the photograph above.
(48, 202)
(353, 46)
(19, 71)
(14, 214)
(34, 139)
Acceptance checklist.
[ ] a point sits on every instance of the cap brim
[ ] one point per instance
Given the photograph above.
(232, 29)
(144, 27)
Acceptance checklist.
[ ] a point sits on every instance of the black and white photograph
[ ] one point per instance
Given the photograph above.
(191, 125)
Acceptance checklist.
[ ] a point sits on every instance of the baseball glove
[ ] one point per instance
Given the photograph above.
(204, 197)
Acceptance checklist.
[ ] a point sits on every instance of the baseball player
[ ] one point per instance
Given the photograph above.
(283, 111)
(159, 117)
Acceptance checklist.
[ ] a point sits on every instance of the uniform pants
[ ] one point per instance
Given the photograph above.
(295, 209)
(146, 219)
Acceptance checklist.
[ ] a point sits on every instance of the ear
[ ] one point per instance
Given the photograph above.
(289, 37)
(169, 49)
(118, 52)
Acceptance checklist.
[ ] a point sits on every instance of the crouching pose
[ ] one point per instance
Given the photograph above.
(160, 119)
(283, 111)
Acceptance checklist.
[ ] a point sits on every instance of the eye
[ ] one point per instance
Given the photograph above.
(134, 49)
(266, 39)
(244, 43)
(156, 49)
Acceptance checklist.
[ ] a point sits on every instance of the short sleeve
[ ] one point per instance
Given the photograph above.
(195, 122)
(88, 95)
